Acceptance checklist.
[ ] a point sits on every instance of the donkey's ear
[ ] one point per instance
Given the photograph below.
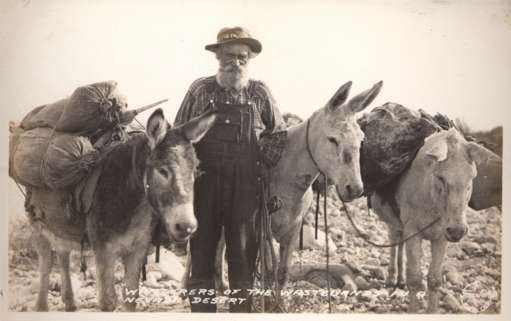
(197, 127)
(361, 101)
(156, 128)
(438, 151)
(479, 154)
(340, 96)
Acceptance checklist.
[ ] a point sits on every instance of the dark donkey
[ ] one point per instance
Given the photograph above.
(147, 180)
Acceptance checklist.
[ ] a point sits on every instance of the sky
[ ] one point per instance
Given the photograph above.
(452, 57)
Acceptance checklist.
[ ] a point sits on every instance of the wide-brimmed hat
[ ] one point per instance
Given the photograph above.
(235, 35)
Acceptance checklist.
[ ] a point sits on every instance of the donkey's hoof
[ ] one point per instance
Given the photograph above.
(130, 307)
(41, 307)
(70, 307)
(107, 307)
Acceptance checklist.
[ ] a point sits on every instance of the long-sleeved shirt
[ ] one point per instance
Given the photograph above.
(203, 90)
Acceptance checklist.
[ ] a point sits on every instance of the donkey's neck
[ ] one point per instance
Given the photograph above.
(296, 167)
(120, 188)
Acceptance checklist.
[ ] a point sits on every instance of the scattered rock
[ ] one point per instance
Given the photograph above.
(488, 247)
(309, 241)
(485, 239)
(451, 303)
(376, 272)
(169, 267)
(361, 283)
(336, 234)
(373, 261)
(367, 296)
(470, 248)
(454, 278)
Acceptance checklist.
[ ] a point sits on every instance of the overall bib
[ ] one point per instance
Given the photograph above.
(227, 194)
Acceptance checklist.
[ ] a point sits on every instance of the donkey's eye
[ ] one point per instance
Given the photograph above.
(333, 141)
(163, 172)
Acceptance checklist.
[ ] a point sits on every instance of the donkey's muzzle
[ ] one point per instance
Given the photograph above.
(350, 192)
(185, 229)
(455, 233)
(181, 222)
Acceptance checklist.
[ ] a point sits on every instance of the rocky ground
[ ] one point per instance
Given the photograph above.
(472, 271)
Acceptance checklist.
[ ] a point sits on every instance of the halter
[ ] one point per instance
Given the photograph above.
(309, 150)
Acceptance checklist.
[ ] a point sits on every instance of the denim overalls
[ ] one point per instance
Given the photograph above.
(227, 194)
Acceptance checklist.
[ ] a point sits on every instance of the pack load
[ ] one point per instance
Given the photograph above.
(89, 110)
(44, 116)
(393, 136)
(57, 145)
(42, 157)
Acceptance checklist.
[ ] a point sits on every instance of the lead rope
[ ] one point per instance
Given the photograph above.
(365, 237)
(324, 213)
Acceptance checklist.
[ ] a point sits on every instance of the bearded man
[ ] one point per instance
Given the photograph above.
(228, 193)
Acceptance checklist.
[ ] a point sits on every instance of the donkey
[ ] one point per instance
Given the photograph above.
(333, 138)
(329, 142)
(145, 181)
(436, 187)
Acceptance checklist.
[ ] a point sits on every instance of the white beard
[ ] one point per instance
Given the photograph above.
(232, 80)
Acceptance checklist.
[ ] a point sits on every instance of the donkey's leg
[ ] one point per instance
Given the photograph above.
(66, 291)
(435, 273)
(413, 271)
(133, 265)
(287, 243)
(400, 262)
(43, 248)
(105, 264)
(221, 284)
(393, 237)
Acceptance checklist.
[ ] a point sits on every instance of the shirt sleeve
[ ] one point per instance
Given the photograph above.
(190, 105)
(271, 117)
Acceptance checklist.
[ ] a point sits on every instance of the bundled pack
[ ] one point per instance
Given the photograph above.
(88, 110)
(393, 136)
(44, 116)
(43, 157)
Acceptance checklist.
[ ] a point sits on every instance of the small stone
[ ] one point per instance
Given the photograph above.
(486, 239)
(451, 303)
(488, 247)
(454, 278)
(367, 296)
(361, 283)
(373, 261)
(470, 248)
(375, 284)
(377, 272)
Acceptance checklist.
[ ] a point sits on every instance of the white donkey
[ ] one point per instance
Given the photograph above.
(436, 187)
(333, 138)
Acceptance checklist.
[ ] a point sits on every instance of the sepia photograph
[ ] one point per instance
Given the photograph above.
(294, 157)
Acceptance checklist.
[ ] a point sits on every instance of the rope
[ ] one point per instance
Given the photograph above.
(139, 123)
(21, 190)
(317, 215)
(326, 246)
(365, 237)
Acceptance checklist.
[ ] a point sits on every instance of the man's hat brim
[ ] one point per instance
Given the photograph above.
(254, 45)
